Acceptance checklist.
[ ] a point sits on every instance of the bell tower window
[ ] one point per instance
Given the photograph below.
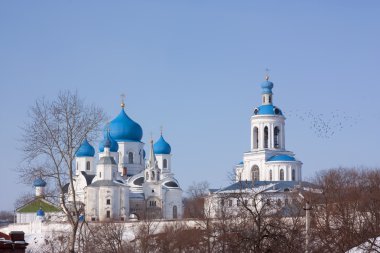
(255, 173)
(276, 137)
(281, 175)
(255, 138)
(165, 163)
(88, 165)
(293, 175)
(266, 137)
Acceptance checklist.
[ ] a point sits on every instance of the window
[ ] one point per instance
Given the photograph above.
(153, 176)
(268, 202)
(122, 218)
(108, 214)
(279, 202)
(108, 202)
(263, 99)
(246, 202)
(147, 175)
(230, 202)
(255, 138)
(282, 175)
(175, 212)
(130, 157)
(286, 202)
(100, 175)
(165, 163)
(158, 175)
(293, 175)
(238, 202)
(270, 175)
(77, 167)
(270, 99)
(152, 203)
(87, 165)
(93, 219)
(222, 202)
(255, 173)
(276, 137)
(266, 137)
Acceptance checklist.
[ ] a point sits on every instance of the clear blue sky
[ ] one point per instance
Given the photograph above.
(195, 68)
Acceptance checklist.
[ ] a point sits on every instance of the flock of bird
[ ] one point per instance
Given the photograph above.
(324, 126)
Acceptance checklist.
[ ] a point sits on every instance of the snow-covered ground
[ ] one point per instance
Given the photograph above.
(39, 235)
(372, 245)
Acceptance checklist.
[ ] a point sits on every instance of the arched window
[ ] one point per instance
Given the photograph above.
(282, 175)
(276, 137)
(270, 175)
(255, 173)
(147, 175)
(153, 176)
(88, 165)
(270, 99)
(255, 138)
(77, 166)
(165, 163)
(293, 175)
(266, 137)
(175, 215)
(130, 157)
(158, 175)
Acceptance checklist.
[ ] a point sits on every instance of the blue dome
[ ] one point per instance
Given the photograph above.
(161, 147)
(39, 182)
(267, 110)
(266, 87)
(241, 163)
(123, 128)
(40, 213)
(108, 141)
(85, 149)
(281, 158)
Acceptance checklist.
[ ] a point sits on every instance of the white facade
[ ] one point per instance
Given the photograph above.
(122, 181)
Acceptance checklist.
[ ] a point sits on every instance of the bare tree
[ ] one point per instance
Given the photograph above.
(347, 213)
(53, 134)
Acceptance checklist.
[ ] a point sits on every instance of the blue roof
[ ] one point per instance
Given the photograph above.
(241, 163)
(266, 87)
(161, 147)
(108, 141)
(281, 158)
(267, 110)
(123, 128)
(39, 182)
(279, 185)
(85, 149)
(40, 212)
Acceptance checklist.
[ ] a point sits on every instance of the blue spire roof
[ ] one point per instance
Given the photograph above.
(281, 158)
(40, 212)
(39, 182)
(85, 149)
(123, 128)
(161, 147)
(266, 86)
(108, 141)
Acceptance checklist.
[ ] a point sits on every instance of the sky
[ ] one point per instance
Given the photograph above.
(195, 67)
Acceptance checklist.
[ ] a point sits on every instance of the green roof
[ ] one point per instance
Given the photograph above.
(34, 205)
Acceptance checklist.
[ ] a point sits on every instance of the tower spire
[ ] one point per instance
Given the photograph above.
(152, 156)
(122, 98)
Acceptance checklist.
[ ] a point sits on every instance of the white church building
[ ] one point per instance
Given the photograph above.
(267, 168)
(121, 182)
